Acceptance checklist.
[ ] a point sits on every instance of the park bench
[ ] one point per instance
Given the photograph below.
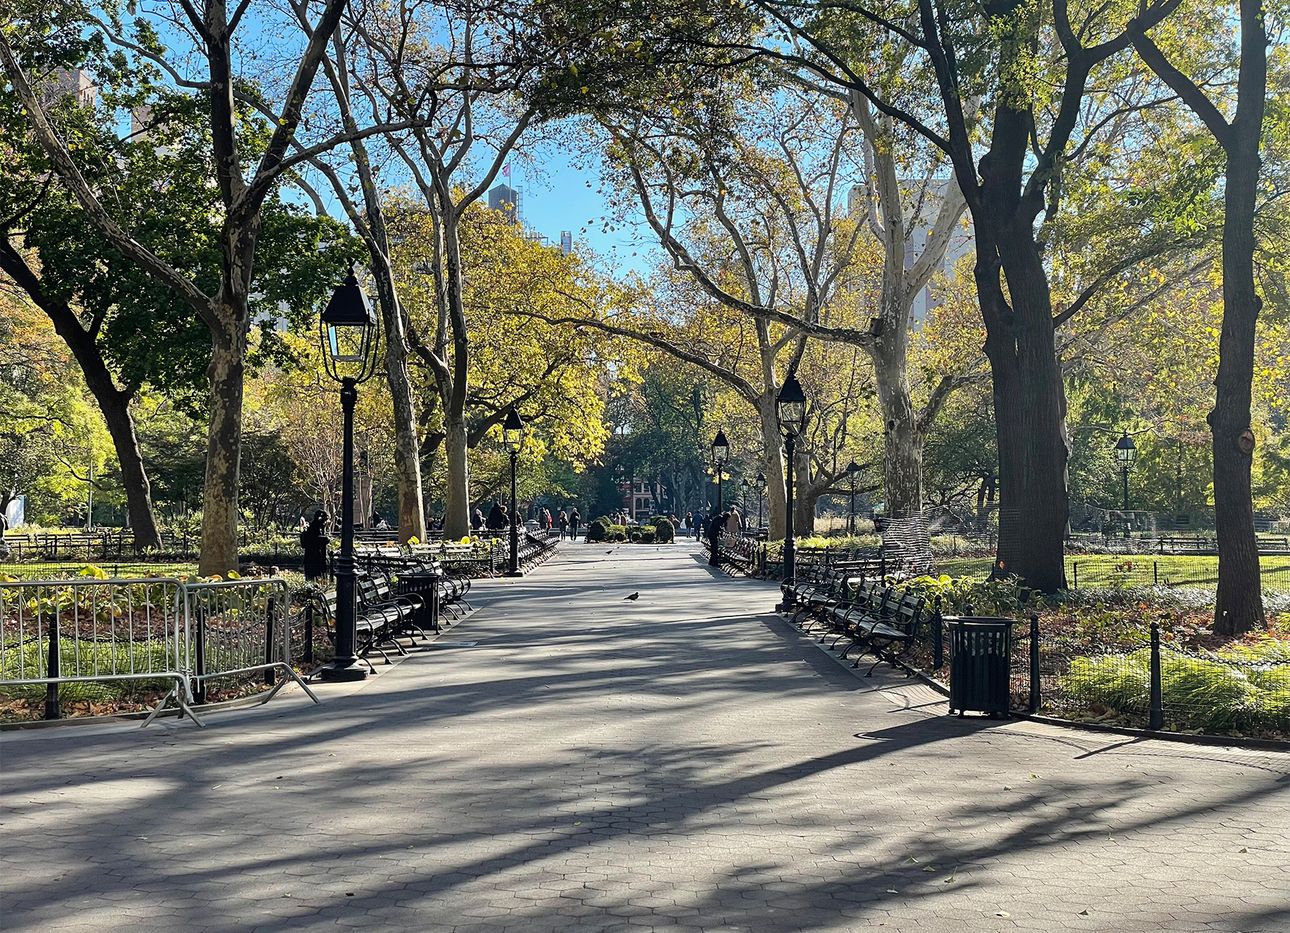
(322, 606)
(882, 622)
(741, 554)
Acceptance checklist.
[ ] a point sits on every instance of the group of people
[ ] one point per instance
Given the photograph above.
(499, 517)
(715, 523)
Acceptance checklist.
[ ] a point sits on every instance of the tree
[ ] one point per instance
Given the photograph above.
(225, 304)
(1239, 606)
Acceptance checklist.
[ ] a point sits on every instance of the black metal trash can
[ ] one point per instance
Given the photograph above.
(980, 655)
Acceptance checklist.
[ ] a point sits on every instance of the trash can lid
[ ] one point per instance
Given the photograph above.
(982, 621)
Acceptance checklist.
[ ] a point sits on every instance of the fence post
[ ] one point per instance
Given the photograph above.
(199, 655)
(1034, 663)
(52, 670)
(309, 632)
(268, 641)
(1155, 573)
(938, 638)
(1157, 714)
(1075, 572)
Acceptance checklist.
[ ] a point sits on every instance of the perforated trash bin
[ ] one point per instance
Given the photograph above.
(980, 649)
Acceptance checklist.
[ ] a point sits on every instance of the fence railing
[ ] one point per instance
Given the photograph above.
(145, 641)
(1136, 679)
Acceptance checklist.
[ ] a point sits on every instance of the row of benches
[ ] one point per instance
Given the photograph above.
(859, 602)
(398, 599)
(406, 594)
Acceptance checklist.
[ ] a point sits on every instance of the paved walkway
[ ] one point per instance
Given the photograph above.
(680, 762)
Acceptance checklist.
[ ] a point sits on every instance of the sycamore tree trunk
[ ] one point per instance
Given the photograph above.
(773, 467)
(407, 461)
(805, 495)
(223, 445)
(456, 521)
(902, 464)
(1239, 606)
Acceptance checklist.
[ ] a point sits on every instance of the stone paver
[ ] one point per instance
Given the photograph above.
(683, 762)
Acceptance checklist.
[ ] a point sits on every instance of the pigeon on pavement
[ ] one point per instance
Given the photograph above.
(633, 597)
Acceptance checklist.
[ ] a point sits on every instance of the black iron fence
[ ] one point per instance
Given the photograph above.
(1136, 679)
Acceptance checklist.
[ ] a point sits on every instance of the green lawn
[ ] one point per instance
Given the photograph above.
(1095, 570)
(56, 570)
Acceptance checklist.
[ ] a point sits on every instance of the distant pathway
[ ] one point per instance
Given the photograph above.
(685, 761)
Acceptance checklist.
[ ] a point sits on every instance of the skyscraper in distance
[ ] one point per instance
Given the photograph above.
(506, 199)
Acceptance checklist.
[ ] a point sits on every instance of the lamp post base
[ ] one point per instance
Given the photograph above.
(339, 672)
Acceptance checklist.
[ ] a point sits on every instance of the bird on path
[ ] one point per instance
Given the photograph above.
(633, 597)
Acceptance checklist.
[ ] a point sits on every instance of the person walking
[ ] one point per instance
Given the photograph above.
(734, 524)
(563, 521)
(574, 520)
(689, 521)
(496, 518)
(314, 541)
(477, 519)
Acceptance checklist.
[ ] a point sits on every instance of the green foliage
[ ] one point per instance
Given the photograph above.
(1006, 597)
(1242, 690)
(598, 530)
(664, 530)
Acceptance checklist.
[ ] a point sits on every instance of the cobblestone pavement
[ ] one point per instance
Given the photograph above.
(685, 761)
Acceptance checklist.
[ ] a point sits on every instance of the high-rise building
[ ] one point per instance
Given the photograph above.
(506, 199)
(566, 242)
(74, 82)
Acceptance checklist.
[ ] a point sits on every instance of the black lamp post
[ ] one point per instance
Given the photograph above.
(513, 435)
(350, 334)
(761, 493)
(621, 484)
(720, 456)
(852, 469)
(1125, 453)
(790, 408)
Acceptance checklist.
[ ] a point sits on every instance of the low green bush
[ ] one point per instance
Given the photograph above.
(598, 530)
(1202, 694)
(664, 530)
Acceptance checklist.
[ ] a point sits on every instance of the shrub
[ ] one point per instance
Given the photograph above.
(1199, 693)
(598, 530)
(664, 530)
(646, 536)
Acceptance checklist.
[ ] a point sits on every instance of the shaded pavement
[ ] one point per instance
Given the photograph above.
(685, 761)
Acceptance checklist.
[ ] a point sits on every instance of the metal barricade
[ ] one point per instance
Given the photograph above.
(92, 630)
(156, 633)
(238, 627)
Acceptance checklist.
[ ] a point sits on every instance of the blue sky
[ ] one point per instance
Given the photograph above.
(555, 195)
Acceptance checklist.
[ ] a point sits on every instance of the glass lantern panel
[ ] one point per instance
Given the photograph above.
(347, 342)
(791, 414)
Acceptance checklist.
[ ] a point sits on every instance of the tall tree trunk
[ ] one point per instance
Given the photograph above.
(773, 466)
(138, 491)
(407, 460)
(456, 522)
(1239, 606)
(902, 464)
(805, 494)
(223, 447)
(113, 403)
(1041, 522)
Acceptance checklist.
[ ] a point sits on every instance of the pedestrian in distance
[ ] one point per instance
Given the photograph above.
(496, 520)
(477, 519)
(563, 521)
(574, 521)
(734, 524)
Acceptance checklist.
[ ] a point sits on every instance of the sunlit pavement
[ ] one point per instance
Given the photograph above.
(684, 761)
